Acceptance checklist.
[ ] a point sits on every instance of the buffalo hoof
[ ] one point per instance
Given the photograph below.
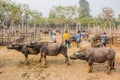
(107, 67)
(90, 69)
(24, 74)
(26, 63)
(113, 68)
(39, 61)
(68, 64)
(108, 73)
(22, 62)
(44, 66)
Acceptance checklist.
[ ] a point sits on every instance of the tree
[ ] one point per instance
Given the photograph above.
(119, 17)
(108, 16)
(9, 12)
(83, 10)
(37, 18)
(61, 15)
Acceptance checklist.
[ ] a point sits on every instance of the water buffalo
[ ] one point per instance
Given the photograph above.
(98, 55)
(45, 33)
(23, 48)
(50, 49)
(44, 48)
(58, 31)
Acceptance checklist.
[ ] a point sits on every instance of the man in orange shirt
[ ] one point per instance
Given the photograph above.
(66, 39)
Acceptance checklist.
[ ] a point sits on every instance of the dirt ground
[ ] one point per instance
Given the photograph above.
(12, 68)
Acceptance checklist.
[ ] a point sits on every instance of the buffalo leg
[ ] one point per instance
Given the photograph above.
(66, 59)
(26, 59)
(40, 58)
(44, 61)
(90, 63)
(109, 67)
(112, 64)
(90, 68)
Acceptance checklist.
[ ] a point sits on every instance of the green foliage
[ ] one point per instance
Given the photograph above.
(13, 12)
(83, 10)
(107, 14)
(119, 17)
(59, 15)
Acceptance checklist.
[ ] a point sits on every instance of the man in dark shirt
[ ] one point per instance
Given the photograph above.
(104, 39)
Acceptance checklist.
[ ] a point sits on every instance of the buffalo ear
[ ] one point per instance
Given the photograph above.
(77, 52)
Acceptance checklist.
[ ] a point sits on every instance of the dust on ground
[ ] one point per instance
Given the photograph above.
(12, 68)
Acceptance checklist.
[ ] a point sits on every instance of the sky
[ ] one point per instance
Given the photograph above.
(96, 6)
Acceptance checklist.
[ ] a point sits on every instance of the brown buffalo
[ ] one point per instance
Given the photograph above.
(98, 55)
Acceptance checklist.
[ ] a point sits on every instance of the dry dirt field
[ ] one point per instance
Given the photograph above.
(12, 68)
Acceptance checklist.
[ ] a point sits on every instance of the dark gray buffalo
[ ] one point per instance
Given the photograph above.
(98, 55)
(23, 48)
(50, 49)
(44, 48)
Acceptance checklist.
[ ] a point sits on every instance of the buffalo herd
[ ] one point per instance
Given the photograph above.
(45, 49)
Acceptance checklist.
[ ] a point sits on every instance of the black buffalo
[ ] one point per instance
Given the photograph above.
(44, 48)
(98, 55)
(58, 31)
(45, 32)
(23, 48)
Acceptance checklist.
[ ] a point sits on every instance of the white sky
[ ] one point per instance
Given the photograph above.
(95, 5)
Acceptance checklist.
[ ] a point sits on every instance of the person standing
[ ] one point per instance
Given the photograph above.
(104, 39)
(54, 38)
(51, 34)
(66, 39)
(83, 35)
(78, 38)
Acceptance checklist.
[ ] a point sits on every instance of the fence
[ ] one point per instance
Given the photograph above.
(34, 33)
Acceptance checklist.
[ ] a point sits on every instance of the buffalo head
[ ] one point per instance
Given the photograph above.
(14, 46)
(78, 55)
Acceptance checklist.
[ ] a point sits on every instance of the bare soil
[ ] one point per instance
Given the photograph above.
(12, 68)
